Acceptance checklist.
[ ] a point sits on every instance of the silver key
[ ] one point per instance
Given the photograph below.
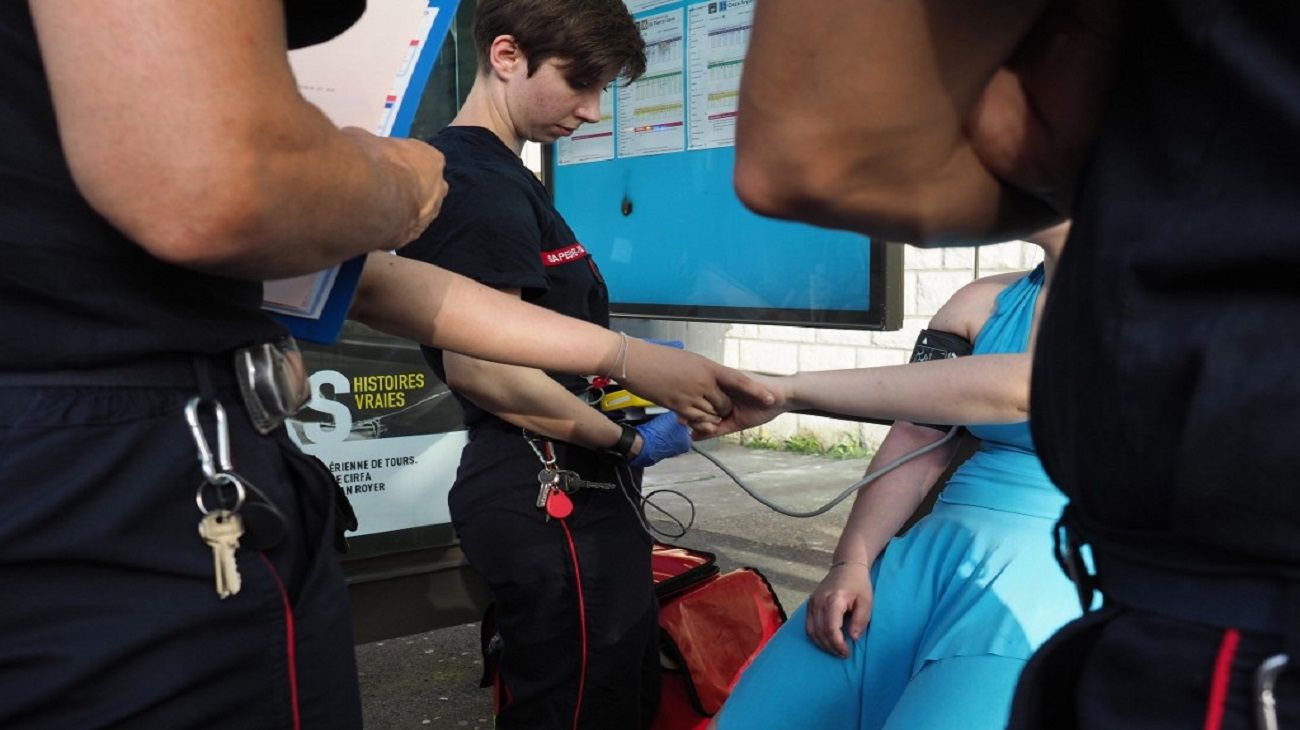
(221, 530)
(547, 479)
(569, 482)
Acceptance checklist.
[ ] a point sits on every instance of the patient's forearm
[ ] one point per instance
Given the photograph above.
(968, 390)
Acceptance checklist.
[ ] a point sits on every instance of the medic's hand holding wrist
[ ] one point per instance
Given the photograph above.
(662, 437)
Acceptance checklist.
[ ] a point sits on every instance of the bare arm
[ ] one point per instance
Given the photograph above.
(968, 390)
(879, 512)
(183, 126)
(978, 389)
(918, 120)
(883, 506)
(529, 398)
(433, 306)
(964, 391)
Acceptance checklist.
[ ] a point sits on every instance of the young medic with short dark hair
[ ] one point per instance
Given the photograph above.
(574, 596)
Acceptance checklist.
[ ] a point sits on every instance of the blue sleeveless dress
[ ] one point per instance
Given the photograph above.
(960, 602)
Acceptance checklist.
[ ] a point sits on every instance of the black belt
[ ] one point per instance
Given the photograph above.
(1264, 605)
(1255, 604)
(160, 371)
(1245, 603)
(270, 377)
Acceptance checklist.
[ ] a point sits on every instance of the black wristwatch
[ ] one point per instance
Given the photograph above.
(623, 447)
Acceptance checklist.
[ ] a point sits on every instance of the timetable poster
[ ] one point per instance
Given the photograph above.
(591, 142)
(719, 35)
(652, 111)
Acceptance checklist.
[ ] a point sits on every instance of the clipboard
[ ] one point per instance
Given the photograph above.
(314, 306)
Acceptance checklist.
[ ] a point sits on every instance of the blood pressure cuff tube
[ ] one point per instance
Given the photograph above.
(939, 345)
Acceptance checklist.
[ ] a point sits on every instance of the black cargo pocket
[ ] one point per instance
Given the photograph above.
(345, 518)
(322, 501)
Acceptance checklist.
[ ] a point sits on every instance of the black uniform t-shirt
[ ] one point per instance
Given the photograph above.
(1166, 388)
(74, 291)
(498, 227)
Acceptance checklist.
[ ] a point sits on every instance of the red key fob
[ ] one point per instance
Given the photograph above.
(558, 505)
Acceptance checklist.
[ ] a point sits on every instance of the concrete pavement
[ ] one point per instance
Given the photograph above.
(431, 680)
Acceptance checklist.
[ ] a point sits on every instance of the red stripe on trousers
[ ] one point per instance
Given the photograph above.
(582, 622)
(289, 642)
(1222, 675)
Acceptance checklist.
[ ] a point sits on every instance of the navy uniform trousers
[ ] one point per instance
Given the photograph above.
(1187, 659)
(109, 613)
(574, 599)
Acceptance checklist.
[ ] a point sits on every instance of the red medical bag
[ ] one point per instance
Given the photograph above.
(711, 625)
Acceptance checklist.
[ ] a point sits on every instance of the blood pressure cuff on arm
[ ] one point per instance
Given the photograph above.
(930, 345)
(939, 345)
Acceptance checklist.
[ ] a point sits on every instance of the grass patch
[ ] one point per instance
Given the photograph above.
(847, 447)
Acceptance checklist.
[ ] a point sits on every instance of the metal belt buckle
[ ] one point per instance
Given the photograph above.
(273, 382)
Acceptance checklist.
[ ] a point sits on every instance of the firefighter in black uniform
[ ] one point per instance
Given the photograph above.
(574, 600)
(1164, 389)
(143, 196)
(125, 293)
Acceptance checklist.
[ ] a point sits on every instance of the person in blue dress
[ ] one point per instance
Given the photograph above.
(933, 631)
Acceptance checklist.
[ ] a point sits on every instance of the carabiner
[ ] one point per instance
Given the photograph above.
(211, 469)
(1265, 700)
(546, 454)
(224, 478)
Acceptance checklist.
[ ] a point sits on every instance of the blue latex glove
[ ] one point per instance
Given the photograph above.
(662, 437)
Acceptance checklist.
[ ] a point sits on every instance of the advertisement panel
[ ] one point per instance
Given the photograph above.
(385, 426)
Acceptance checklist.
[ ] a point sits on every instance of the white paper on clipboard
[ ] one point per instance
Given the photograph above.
(357, 80)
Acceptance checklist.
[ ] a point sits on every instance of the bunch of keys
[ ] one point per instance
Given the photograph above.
(222, 527)
(555, 487)
(556, 484)
(549, 495)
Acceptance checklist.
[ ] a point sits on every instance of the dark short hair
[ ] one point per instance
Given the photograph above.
(591, 38)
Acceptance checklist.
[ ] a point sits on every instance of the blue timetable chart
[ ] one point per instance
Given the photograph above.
(652, 110)
(591, 142)
(717, 38)
(662, 219)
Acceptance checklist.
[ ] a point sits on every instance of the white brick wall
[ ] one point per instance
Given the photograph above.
(930, 276)
(769, 355)
(934, 287)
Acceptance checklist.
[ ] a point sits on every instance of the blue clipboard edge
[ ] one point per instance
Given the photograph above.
(424, 67)
(326, 330)
(329, 326)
